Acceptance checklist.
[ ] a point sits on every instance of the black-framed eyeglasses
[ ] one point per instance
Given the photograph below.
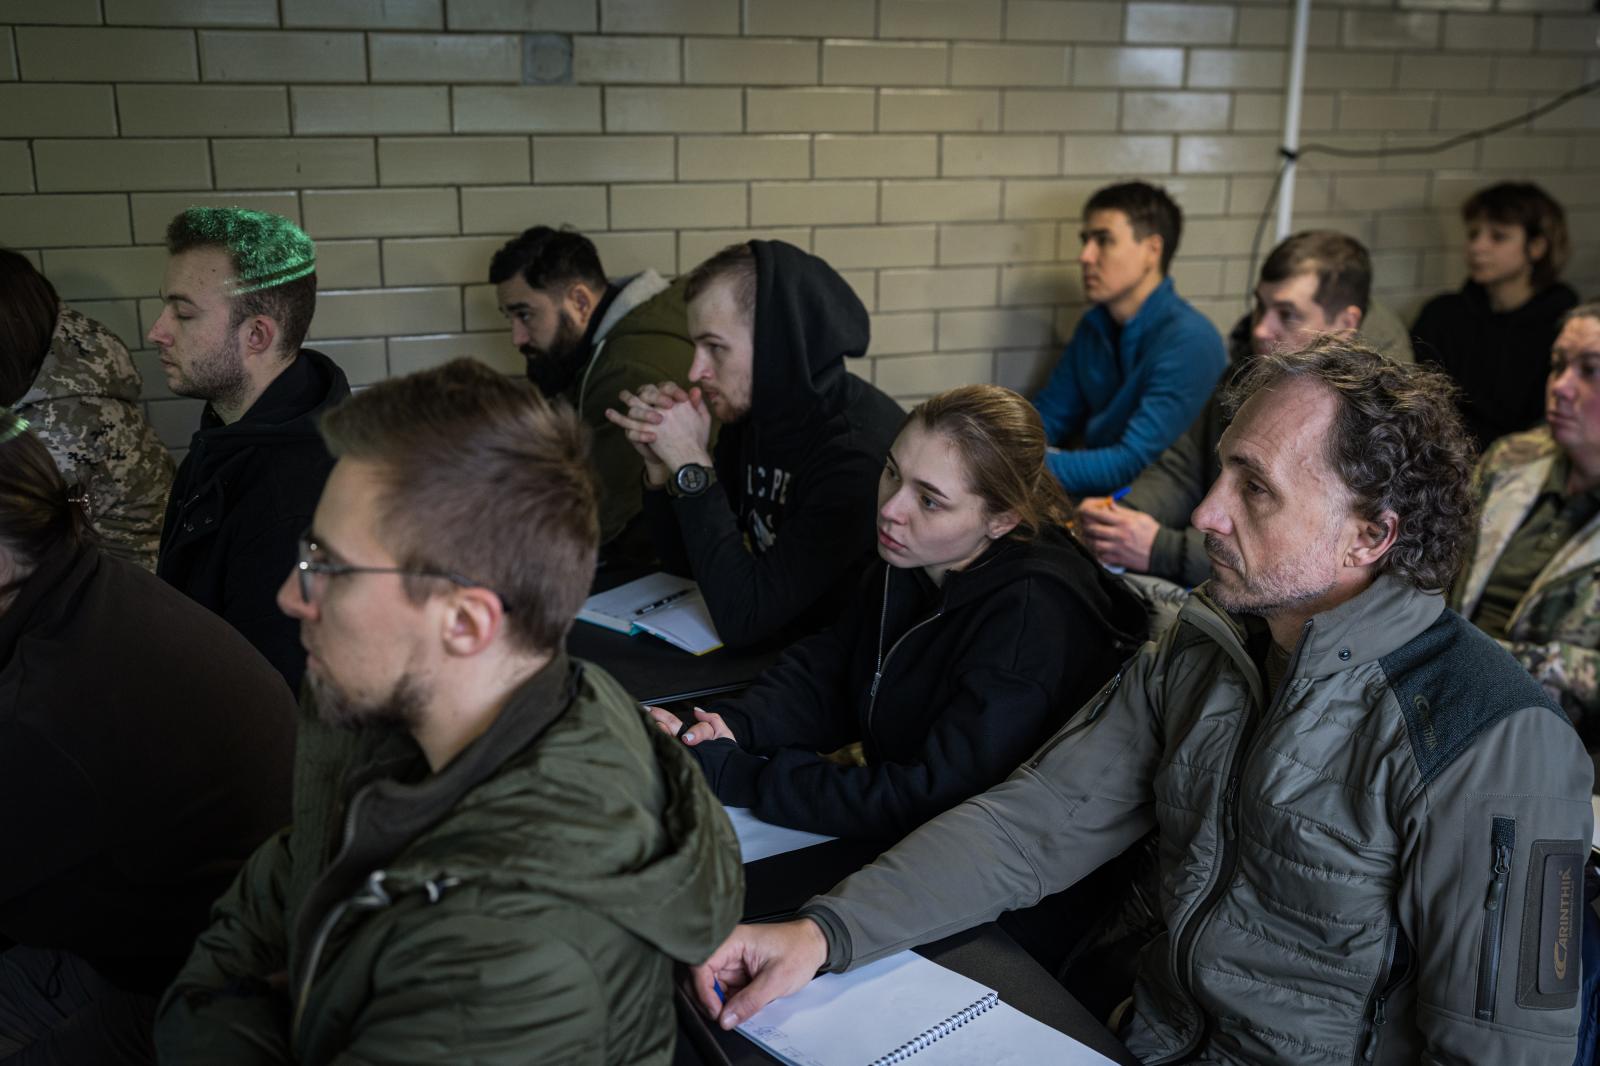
(308, 568)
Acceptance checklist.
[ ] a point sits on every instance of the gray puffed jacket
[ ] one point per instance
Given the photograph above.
(1384, 865)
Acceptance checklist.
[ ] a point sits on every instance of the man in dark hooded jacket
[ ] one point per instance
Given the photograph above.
(239, 291)
(775, 523)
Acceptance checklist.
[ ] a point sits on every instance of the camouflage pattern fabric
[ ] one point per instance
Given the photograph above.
(1555, 631)
(84, 407)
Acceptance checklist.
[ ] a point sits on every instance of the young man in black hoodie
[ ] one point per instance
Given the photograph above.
(240, 289)
(776, 522)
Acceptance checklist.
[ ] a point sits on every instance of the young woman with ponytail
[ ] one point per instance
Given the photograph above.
(982, 627)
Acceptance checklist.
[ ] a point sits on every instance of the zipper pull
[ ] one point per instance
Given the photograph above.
(873, 694)
(1230, 800)
(1380, 1015)
(1497, 887)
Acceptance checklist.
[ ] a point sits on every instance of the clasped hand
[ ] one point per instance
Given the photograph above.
(667, 425)
(709, 727)
(1118, 536)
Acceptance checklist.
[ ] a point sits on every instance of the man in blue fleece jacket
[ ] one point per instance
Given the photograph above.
(1142, 362)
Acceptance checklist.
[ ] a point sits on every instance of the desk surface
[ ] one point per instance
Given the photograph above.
(652, 670)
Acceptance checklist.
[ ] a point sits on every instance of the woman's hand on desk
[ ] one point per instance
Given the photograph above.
(708, 727)
(756, 965)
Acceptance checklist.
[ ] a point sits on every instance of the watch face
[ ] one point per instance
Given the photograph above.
(692, 479)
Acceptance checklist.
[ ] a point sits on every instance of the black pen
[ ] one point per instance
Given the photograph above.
(662, 602)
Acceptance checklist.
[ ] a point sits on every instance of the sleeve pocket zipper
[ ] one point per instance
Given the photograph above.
(1502, 839)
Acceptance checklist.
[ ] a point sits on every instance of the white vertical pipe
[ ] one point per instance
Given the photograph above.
(1291, 113)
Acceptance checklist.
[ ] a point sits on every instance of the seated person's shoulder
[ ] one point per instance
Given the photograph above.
(1518, 449)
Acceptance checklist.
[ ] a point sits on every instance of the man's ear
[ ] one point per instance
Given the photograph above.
(473, 618)
(581, 302)
(1347, 319)
(1157, 247)
(259, 336)
(1372, 539)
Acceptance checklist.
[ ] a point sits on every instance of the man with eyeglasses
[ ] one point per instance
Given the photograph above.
(495, 858)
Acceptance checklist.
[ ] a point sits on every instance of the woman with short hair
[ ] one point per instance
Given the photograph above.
(1493, 337)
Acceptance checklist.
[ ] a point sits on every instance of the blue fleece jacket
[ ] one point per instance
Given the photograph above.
(1128, 397)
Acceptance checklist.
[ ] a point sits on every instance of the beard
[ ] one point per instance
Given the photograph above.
(1294, 581)
(401, 708)
(554, 368)
(218, 376)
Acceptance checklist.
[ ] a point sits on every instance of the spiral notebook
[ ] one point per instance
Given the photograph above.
(907, 1009)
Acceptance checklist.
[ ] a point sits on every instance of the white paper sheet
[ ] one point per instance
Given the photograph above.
(853, 1018)
(758, 839)
(906, 1008)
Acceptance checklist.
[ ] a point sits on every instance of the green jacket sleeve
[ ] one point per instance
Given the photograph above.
(627, 362)
(505, 992)
(1531, 800)
(221, 1007)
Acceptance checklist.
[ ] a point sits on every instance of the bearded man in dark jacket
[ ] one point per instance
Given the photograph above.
(240, 290)
(776, 522)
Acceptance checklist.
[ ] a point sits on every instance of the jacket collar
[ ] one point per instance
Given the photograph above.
(1379, 620)
(45, 594)
(1155, 309)
(1513, 492)
(531, 708)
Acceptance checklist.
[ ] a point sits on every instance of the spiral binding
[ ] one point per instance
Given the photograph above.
(938, 1032)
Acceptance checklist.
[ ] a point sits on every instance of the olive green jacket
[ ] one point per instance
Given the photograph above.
(1555, 631)
(642, 340)
(524, 904)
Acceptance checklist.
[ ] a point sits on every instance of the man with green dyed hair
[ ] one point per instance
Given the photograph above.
(239, 292)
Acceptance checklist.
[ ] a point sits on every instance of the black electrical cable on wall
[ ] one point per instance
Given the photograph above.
(1445, 145)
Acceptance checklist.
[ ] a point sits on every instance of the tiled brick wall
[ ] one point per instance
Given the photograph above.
(937, 151)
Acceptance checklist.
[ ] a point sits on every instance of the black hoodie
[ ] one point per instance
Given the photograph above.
(948, 688)
(243, 495)
(1500, 359)
(781, 538)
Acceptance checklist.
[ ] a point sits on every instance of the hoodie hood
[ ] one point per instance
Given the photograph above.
(808, 321)
(1055, 555)
(287, 412)
(85, 359)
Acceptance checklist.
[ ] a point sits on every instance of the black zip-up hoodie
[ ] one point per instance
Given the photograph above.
(1500, 359)
(948, 688)
(780, 540)
(243, 495)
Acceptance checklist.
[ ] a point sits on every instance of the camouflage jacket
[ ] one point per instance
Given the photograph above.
(84, 407)
(1555, 630)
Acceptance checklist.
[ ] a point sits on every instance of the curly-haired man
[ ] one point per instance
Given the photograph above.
(1371, 822)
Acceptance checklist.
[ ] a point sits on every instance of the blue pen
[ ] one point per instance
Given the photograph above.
(1120, 493)
(716, 986)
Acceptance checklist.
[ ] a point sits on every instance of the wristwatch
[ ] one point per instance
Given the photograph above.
(691, 479)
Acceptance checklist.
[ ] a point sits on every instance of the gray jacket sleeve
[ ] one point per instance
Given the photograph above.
(1080, 801)
(1527, 792)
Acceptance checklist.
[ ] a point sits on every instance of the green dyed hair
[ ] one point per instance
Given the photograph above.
(274, 263)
